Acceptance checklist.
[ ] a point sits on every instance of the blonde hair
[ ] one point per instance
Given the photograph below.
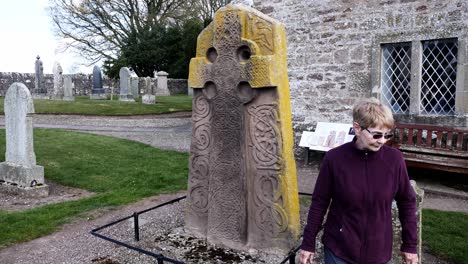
(370, 112)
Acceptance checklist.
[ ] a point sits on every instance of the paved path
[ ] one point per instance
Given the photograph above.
(168, 131)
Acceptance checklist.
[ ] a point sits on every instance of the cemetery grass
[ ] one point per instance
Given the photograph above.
(84, 106)
(445, 234)
(118, 171)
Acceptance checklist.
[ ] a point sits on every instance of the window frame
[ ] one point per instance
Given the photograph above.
(461, 95)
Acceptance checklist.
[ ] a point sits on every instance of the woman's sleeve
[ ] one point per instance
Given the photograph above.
(320, 201)
(406, 203)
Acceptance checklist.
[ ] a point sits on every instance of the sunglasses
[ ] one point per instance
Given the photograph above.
(378, 135)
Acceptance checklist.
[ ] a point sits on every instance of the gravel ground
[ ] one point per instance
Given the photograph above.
(161, 229)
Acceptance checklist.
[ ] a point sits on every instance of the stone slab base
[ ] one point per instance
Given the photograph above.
(101, 96)
(37, 191)
(69, 98)
(21, 176)
(126, 98)
(41, 96)
(56, 97)
(148, 99)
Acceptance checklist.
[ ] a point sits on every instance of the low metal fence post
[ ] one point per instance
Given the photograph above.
(136, 226)
(292, 258)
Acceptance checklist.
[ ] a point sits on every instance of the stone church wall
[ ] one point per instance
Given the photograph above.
(334, 51)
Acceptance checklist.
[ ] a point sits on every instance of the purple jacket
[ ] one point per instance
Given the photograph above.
(361, 186)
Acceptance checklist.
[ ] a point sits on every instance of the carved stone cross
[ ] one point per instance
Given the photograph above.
(242, 182)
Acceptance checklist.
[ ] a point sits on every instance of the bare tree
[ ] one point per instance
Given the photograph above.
(207, 8)
(100, 28)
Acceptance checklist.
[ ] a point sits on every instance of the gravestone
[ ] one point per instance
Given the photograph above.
(161, 87)
(68, 88)
(40, 92)
(125, 94)
(134, 84)
(190, 92)
(148, 97)
(242, 188)
(97, 92)
(19, 173)
(57, 93)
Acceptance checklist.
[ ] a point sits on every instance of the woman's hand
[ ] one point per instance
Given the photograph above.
(306, 257)
(410, 258)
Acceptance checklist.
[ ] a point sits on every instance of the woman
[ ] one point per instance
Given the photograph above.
(357, 183)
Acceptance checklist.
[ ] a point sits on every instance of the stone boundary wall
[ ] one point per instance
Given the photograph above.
(177, 86)
(83, 83)
(332, 46)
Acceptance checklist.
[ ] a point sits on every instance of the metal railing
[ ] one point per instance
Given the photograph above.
(160, 258)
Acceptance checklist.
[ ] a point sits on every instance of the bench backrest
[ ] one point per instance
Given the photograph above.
(442, 140)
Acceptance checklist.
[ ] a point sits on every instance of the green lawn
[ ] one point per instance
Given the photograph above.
(446, 234)
(84, 106)
(119, 171)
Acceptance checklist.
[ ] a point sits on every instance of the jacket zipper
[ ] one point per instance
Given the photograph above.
(366, 212)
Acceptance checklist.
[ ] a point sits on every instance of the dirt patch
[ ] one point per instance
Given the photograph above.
(57, 194)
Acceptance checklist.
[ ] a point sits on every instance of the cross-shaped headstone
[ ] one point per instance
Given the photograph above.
(242, 182)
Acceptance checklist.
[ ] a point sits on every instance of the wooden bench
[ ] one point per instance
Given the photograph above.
(433, 147)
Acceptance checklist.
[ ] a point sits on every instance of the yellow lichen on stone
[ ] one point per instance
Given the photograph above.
(265, 67)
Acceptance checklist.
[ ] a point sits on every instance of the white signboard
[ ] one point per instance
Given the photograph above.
(327, 136)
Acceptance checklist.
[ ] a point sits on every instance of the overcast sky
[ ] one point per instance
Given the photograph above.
(26, 31)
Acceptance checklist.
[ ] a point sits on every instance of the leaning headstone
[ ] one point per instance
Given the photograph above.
(57, 93)
(125, 94)
(134, 84)
(148, 97)
(161, 87)
(19, 173)
(40, 92)
(242, 188)
(97, 92)
(68, 88)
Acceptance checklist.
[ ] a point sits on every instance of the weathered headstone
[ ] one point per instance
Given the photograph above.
(148, 97)
(19, 173)
(97, 93)
(57, 93)
(161, 87)
(68, 88)
(134, 84)
(40, 92)
(125, 94)
(242, 189)
(190, 91)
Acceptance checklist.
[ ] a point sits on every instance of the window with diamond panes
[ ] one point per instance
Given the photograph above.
(396, 76)
(438, 76)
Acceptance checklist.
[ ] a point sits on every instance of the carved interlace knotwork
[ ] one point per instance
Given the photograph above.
(265, 137)
(270, 216)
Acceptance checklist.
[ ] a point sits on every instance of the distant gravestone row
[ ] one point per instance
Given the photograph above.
(130, 87)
